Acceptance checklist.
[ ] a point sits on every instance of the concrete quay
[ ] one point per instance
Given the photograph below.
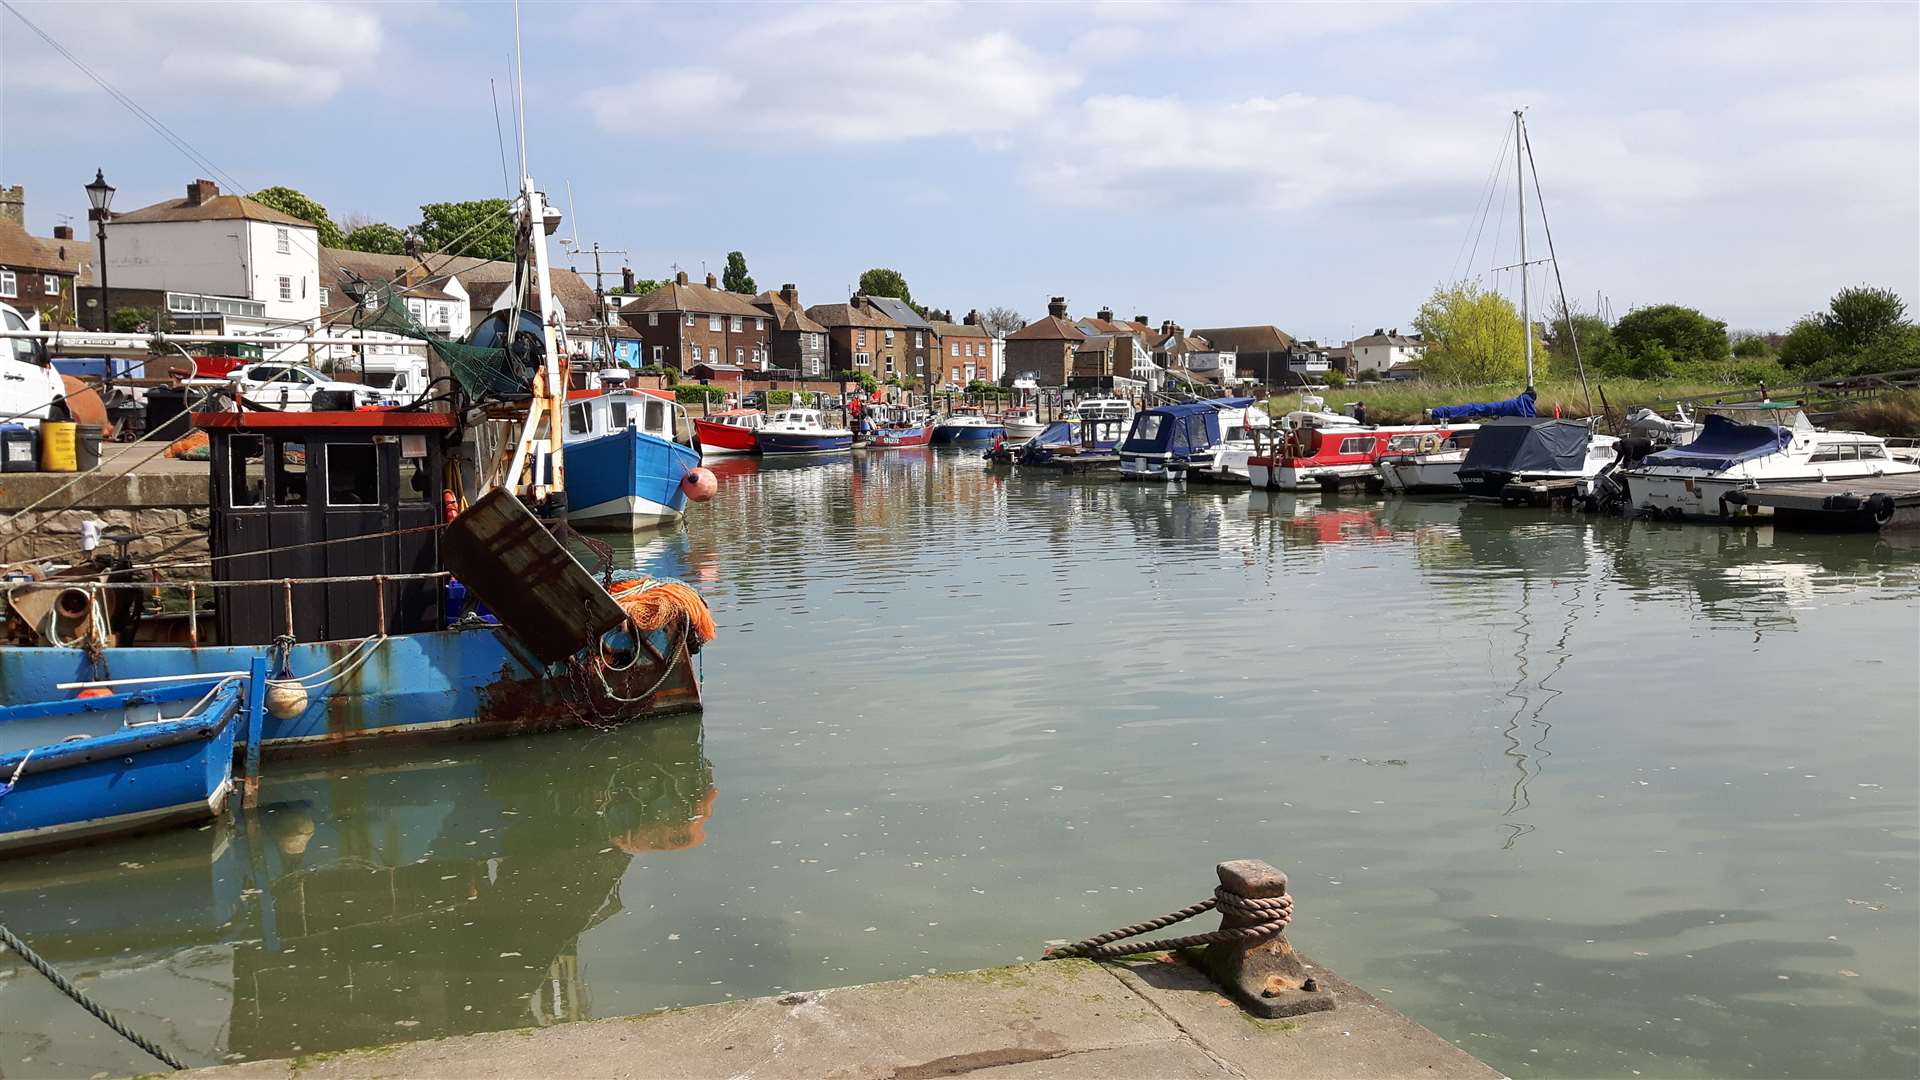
(157, 493)
(1062, 1018)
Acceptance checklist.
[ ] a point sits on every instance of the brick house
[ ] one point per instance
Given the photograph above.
(682, 324)
(922, 341)
(1264, 353)
(799, 343)
(861, 337)
(965, 354)
(38, 275)
(1043, 349)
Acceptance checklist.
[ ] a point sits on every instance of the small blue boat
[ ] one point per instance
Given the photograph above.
(967, 429)
(82, 768)
(801, 431)
(628, 453)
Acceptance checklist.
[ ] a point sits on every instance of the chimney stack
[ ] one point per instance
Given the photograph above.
(1142, 320)
(1166, 326)
(201, 192)
(712, 282)
(1057, 307)
(680, 278)
(626, 278)
(973, 318)
(1106, 314)
(13, 204)
(1379, 330)
(63, 232)
(789, 295)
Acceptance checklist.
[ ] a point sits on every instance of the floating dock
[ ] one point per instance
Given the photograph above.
(1060, 1018)
(1864, 504)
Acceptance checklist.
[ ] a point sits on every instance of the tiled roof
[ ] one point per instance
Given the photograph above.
(1256, 339)
(950, 329)
(688, 298)
(1387, 339)
(785, 315)
(23, 251)
(218, 208)
(1047, 328)
(831, 315)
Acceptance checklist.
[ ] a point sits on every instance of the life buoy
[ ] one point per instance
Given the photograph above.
(1429, 443)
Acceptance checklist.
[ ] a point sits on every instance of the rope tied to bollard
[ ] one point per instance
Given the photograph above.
(1273, 913)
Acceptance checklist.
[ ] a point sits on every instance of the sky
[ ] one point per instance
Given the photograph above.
(1317, 167)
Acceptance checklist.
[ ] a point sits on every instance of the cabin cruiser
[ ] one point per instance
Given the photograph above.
(967, 427)
(1527, 449)
(1310, 456)
(1021, 422)
(1728, 455)
(733, 431)
(802, 431)
(1167, 441)
(1430, 468)
(628, 455)
(1239, 431)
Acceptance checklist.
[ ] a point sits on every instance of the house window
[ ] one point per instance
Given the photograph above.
(286, 287)
(324, 296)
(863, 359)
(859, 336)
(659, 354)
(282, 242)
(713, 322)
(696, 354)
(9, 284)
(955, 347)
(736, 324)
(759, 324)
(689, 318)
(739, 356)
(919, 363)
(889, 337)
(917, 343)
(653, 318)
(967, 350)
(446, 316)
(50, 285)
(889, 363)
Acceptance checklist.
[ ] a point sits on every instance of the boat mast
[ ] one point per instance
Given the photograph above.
(1526, 313)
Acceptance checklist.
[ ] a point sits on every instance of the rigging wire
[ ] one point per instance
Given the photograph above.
(1460, 266)
(1572, 335)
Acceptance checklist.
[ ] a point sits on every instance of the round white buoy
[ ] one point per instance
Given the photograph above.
(286, 699)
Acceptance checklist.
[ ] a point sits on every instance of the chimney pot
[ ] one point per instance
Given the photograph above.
(973, 317)
(712, 281)
(63, 232)
(626, 278)
(202, 191)
(1057, 307)
(1379, 330)
(1106, 314)
(790, 295)
(680, 278)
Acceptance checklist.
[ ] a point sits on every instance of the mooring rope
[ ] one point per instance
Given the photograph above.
(1274, 914)
(80, 998)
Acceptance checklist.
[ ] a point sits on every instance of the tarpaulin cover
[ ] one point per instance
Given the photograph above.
(1724, 443)
(1513, 406)
(1175, 429)
(1513, 444)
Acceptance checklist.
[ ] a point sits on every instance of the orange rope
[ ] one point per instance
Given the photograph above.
(653, 604)
(185, 444)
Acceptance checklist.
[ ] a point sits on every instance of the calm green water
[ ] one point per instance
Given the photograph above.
(1589, 797)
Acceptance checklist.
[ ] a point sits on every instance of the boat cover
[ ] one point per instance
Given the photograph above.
(1513, 406)
(1178, 429)
(1531, 444)
(1058, 433)
(1722, 444)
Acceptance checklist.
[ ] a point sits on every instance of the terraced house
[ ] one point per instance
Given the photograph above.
(1043, 350)
(861, 337)
(922, 339)
(682, 324)
(37, 274)
(799, 343)
(965, 353)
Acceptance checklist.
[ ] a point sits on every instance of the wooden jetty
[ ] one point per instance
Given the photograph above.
(1076, 464)
(1861, 504)
(1559, 491)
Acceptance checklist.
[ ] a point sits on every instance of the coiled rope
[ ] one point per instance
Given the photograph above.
(1273, 913)
(79, 996)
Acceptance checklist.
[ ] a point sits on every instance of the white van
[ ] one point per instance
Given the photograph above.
(29, 385)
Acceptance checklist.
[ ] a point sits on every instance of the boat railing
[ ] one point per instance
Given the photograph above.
(92, 593)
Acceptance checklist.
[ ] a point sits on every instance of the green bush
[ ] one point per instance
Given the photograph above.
(1370, 375)
(691, 392)
(1336, 379)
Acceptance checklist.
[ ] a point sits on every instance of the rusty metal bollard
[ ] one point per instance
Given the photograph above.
(1267, 976)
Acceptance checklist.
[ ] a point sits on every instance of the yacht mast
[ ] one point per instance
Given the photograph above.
(1526, 313)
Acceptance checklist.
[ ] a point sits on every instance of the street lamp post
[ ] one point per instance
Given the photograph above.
(100, 200)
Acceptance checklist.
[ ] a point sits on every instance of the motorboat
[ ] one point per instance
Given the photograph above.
(967, 427)
(802, 431)
(734, 431)
(1310, 457)
(1022, 423)
(1431, 468)
(1166, 441)
(1239, 430)
(1693, 480)
(629, 452)
(1527, 449)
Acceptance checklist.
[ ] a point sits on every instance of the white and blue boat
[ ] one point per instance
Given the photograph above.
(1167, 441)
(75, 769)
(802, 431)
(628, 455)
(967, 428)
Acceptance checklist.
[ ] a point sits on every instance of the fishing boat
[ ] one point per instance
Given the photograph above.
(135, 757)
(802, 431)
(1534, 449)
(1167, 441)
(1022, 423)
(967, 426)
(631, 453)
(734, 431)
(896, 435)
(1310, 458)
(1694, 480)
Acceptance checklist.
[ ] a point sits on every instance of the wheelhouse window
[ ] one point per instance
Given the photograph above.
(247, 470)
(290, 475)
(353, 474)
(656, 416)
(416, 480)
(1148, 426)
(1357, 445)
(617, 414)
(579, 419)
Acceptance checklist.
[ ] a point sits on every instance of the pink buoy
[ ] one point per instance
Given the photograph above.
(699, 484)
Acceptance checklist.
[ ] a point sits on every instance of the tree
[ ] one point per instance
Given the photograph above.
(1598, 352)
(1808, 344)
(288, 201)
(1472, 335)
(736, 279)
(641, 287)
(1855, 316)
(482, 228)
(883, 282)
(376, 237)
(1751, 347)
(1685, 338)
(1001, 321)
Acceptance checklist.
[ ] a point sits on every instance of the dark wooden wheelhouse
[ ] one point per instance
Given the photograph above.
(326, 495)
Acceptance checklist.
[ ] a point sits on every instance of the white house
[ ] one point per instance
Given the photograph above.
(438, 302)
(1383, 349)
(1217, 364)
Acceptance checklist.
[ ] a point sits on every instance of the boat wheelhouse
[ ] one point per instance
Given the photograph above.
(735, 431)
(802, 431)
(629, 452)
(1693, 480)
(1022, 422)
(1528, 449)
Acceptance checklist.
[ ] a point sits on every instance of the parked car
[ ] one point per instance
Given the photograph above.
(292, 386)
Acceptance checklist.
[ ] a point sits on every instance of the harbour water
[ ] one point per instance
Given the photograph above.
(1590, 797)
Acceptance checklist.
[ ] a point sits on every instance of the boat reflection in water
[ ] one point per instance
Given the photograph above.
(392, 898)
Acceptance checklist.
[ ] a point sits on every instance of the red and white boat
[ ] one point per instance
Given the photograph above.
(1309, 457)
(899, 435)
(735, 431)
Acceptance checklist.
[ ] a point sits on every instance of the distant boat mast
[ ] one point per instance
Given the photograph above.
(1520, 173)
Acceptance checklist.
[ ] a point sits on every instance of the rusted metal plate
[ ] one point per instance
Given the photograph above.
(500, 551)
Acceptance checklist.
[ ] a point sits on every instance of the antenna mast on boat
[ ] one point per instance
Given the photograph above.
(1526, 313)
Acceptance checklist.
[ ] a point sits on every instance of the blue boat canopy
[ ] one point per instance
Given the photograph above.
(1724, 443)
(1513, 406)
(1178, 429)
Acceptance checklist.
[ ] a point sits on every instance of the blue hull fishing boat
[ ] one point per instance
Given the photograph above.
(967, 429)
(802, 431)
(629, 454)
(74, 769)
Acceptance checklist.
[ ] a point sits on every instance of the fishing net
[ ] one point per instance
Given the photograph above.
(653, 603)
(488, 367)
